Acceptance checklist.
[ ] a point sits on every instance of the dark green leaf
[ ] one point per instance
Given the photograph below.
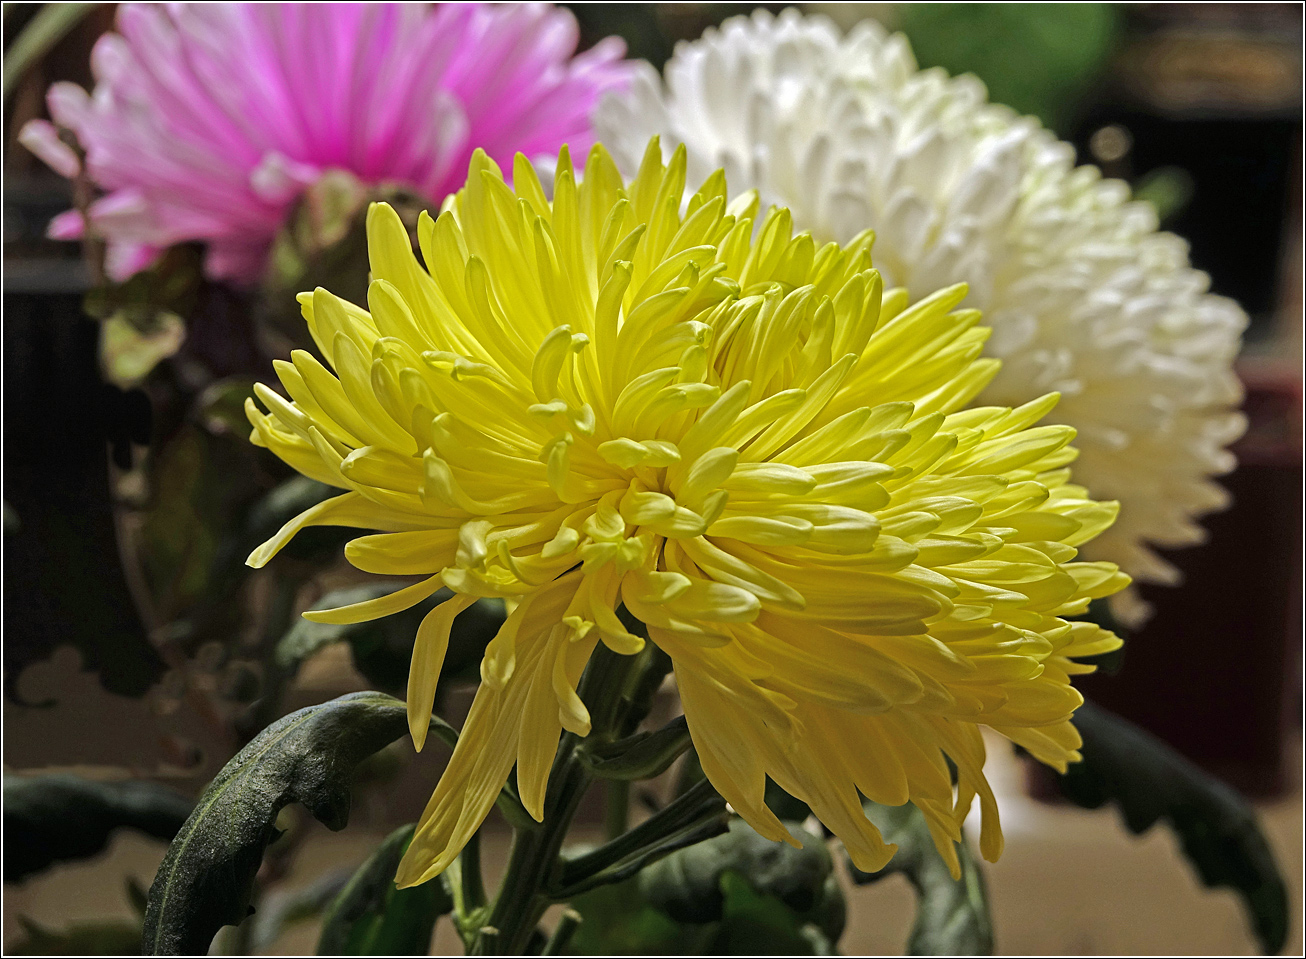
(691, 818)
(383, 648)
(736, 894)
(616, 920)
(1148, 781)
(279, 909)
(262, 518)
(687, 885)
(315, 544)
(754, 923)
(180, 531)
(323, 242)
(207, 876)
(372, 917)
(59, 817)
(107, 938)
(641, 756)
(952, 916)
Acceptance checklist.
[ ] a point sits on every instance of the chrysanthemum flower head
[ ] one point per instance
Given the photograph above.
(608, 399)
(208, 120)
(1084, 296)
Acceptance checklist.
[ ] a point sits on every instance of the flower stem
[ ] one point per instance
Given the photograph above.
(616, 813)
(562, 935)
(471, 885)
(535, 856)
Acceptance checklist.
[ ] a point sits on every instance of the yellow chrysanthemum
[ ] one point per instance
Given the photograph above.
(610, 399)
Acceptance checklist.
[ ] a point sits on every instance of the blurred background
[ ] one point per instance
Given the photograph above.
(1197, 106)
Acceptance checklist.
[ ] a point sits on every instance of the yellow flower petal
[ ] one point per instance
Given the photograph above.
(612, 398)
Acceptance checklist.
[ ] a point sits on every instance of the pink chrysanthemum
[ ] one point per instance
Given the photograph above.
(209, 120)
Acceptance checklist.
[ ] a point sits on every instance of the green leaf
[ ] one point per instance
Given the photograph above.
(171, 286)
(43, 32)
(372, 917)
(383, 648)
(1035, 57)
(191, 552)
(207, 876)
(1169, 189)
(952, 916)
(616, 920)
(641, 756)
(687, 885)
(754, 923)
(315, 544)
(697, 815)
(106, 938)
(260, 519)
(130, 351)
(59, 817)
(736, 894)
(279, 909)
(180, 529)
(1148, 781)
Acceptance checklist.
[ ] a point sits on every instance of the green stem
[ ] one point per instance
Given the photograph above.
(561, 938)
(41, 35)
(535, 858)
(616, 814)
(698, 814)
(470, 881)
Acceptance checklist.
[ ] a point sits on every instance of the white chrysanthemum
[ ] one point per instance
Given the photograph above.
(1084, 295)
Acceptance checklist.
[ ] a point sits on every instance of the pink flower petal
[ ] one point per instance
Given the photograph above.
(209, 120)
(69, 105)
(42, 138)
(124, 260)
(279, 179)
(68, 225)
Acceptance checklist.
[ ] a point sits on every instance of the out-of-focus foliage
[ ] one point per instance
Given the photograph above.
(736, 894)
(112, 937)
(280, 909)
(143, 318)
(1148, 782)
(60, 817)
(952, 916)
(1037, 58)
(39, 36)
(1169, 189)
(383, 648)
(372, 917)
